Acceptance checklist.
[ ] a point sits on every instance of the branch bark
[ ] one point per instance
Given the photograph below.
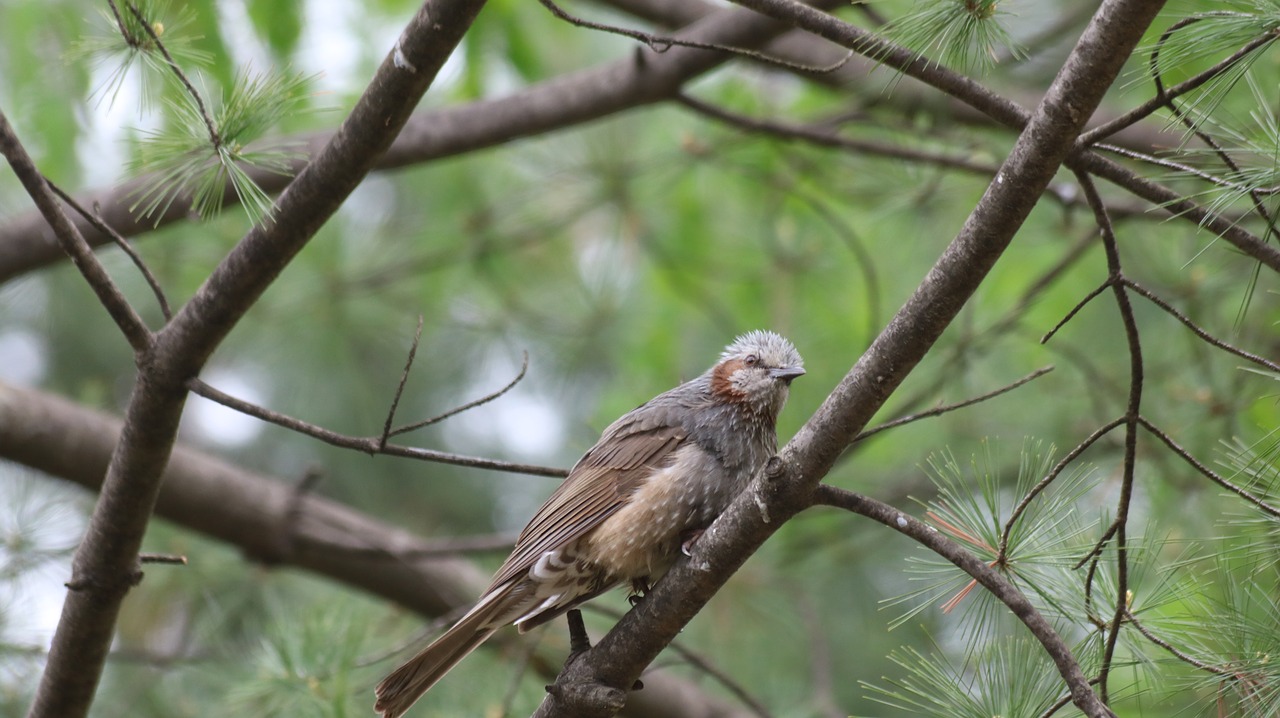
(789, 482)
(105, 566)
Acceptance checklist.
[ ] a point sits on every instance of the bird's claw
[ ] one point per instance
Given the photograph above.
(686, 546)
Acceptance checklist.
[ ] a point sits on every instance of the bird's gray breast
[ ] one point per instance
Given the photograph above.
(735, 446)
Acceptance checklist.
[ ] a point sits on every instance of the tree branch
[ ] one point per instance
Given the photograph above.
(642, 78)
(1009, 114)
(107, 557)
(72, 242)
(989, 577)
(789, 481)
(367, 444)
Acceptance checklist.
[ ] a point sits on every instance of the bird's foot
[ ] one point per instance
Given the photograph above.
(640, 588)
(688, 539)
(579, 641)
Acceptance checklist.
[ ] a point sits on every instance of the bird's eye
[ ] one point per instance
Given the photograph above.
(751, 360)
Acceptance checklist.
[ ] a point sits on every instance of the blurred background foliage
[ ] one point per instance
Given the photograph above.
(622, 256)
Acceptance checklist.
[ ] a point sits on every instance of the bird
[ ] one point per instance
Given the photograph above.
(642, 495)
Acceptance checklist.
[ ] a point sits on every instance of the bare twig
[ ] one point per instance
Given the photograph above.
(1180, 655)
(162, 558)
(286, 542)
(940, 410)
(109, 295)
(368, 444)
(524, 367)
(95, 219)
(660, 43)
(702, 664)
(1062, 702)
(1195, 329)
(429, 548)
(404, 378)
(1163, 95)
(1041, 485)
(1075, 310)
(1131, 418)
(1208, 473)
(821, 135)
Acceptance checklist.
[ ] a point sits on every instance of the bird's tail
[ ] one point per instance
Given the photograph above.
(406, 684)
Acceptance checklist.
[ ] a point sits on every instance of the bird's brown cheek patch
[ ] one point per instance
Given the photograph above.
(720, 380)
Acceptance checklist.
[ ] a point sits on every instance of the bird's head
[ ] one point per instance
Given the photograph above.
(755, 371)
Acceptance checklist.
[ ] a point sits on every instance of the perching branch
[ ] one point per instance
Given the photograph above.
(790, 480)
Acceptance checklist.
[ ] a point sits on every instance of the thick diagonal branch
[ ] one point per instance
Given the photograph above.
(787, 485)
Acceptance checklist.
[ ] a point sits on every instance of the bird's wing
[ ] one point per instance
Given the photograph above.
(598, 485)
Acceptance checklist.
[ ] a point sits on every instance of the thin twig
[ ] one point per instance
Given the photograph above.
(1041, 485)
(1207, 472)
(1161, 98)
(1204, 335)
(938, 411)
(1255, 197)
(214, 137)
(524, 367)
(662, 43)
(429, 549)
(704, 665)
(1132, 416)
(516, 679)
(72, 242)
(367, 444)
(1062, 702)
(1182, 167)
(404, 378)
(95, 218)
(1184, 657)
(995, 582)
(1075, 310)
(162, 558)
(413, 641)
(817, 134)
(285, 545)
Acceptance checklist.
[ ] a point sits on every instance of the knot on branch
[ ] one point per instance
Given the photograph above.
(774, 468)
(587, 697)
(108, 587)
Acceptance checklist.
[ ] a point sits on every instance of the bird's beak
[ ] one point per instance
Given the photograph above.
(786, 373)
